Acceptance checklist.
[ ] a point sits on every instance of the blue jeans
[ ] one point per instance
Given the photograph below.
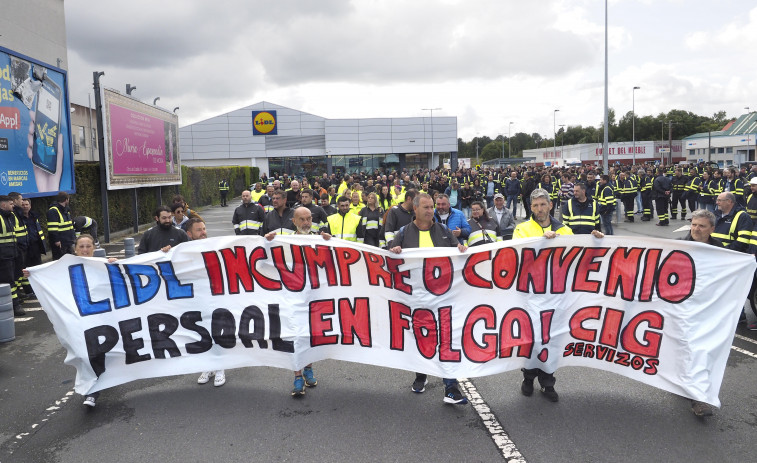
(607, 222)
(639, 207)
(514, 200)
(466, 211)
(709, 206)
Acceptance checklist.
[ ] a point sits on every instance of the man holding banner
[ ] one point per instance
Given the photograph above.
(424, 232)
(302, 219)
(540, 224)
(196, 231)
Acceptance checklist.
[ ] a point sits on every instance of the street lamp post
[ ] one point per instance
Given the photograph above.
(562, 140)
(432, 132)
(155, 101)
(606, 142)
(554, 133)
(509, 141)
(129, 89)
(633, 123)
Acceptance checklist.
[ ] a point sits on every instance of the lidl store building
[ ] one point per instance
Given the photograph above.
(277, 139)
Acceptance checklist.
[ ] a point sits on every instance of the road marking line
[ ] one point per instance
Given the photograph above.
(496, 431)
(744, 351)
(37, 426)
(745, 338)
(21, 319)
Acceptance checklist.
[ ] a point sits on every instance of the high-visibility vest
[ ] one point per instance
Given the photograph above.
(482, 236)
(344, 226)
(582, 220)
(223, 186)
(256, 195)
(7, 234)
(743, 236)
(60, 225)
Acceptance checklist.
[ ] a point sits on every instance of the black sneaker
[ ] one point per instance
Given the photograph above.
(527, 387)
(419, 385)
(452, 395)
(18, 311)
(550, 393)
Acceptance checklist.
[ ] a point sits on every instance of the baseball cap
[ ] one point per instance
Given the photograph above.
(753, 181)
(499, 195)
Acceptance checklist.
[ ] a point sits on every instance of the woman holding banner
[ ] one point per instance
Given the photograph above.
(84, 246)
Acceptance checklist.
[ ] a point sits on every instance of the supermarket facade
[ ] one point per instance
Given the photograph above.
(277, 139)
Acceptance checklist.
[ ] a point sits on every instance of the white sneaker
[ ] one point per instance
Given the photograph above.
(220, 378)
(89, 401)
(204, 377)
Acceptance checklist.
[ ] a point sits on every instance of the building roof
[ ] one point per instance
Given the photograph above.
(745, 124)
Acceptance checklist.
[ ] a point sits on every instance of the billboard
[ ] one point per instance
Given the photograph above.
(141, 143)
(36, 156)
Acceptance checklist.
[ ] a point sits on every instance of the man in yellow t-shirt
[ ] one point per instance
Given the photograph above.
(423, 232)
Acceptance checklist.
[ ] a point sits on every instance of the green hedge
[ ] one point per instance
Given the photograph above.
(199, 187)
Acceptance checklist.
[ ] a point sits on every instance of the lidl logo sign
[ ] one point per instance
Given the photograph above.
(264, 123)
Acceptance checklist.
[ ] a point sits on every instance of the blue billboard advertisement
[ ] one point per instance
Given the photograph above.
(36, 156)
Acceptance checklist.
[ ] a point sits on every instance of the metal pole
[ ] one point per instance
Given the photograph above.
(101, 140)
(136, 212)
(633, 129)
(605, 144)
(89, 135)
(709, 146)
(670, 142)
(509, 141)
(432, 131)
(554, 133)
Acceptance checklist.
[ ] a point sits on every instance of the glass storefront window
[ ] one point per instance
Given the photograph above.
(310, 166)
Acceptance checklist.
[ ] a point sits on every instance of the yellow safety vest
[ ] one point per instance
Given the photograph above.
(344, 226)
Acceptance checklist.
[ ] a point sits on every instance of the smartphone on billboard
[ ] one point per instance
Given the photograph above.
(47, 126)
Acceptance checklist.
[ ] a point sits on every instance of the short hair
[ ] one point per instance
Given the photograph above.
(190, 223)
(729, 196)
(279, 192)
(325, 196)
(540, 193)
(178, 199)
(161, 208)
(61, 197)
(417, 198)
(411, 194)
(581, 185)
(175, 206)
(14, 195)
(606, 178)
(343, 199)
(444, 196)
(704, 214)
(307, 191)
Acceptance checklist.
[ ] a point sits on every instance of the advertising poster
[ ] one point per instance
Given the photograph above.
(35, 128)
(141, 141)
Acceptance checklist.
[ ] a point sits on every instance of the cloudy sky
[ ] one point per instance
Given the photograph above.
(488, 62)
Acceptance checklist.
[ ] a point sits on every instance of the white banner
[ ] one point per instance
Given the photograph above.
(658, 311)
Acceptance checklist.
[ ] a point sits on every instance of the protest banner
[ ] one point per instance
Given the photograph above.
(658, 311)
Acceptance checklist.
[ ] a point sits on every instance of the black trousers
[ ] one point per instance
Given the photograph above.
(662, 209)
(678, 199)
(646, 204)
(545, 379)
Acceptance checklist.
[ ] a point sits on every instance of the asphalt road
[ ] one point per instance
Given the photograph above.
(360, 413)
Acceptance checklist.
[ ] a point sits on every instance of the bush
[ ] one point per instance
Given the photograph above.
(199, 187)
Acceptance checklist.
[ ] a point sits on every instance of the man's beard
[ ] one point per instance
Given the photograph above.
(303, 231)
(165, 226)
